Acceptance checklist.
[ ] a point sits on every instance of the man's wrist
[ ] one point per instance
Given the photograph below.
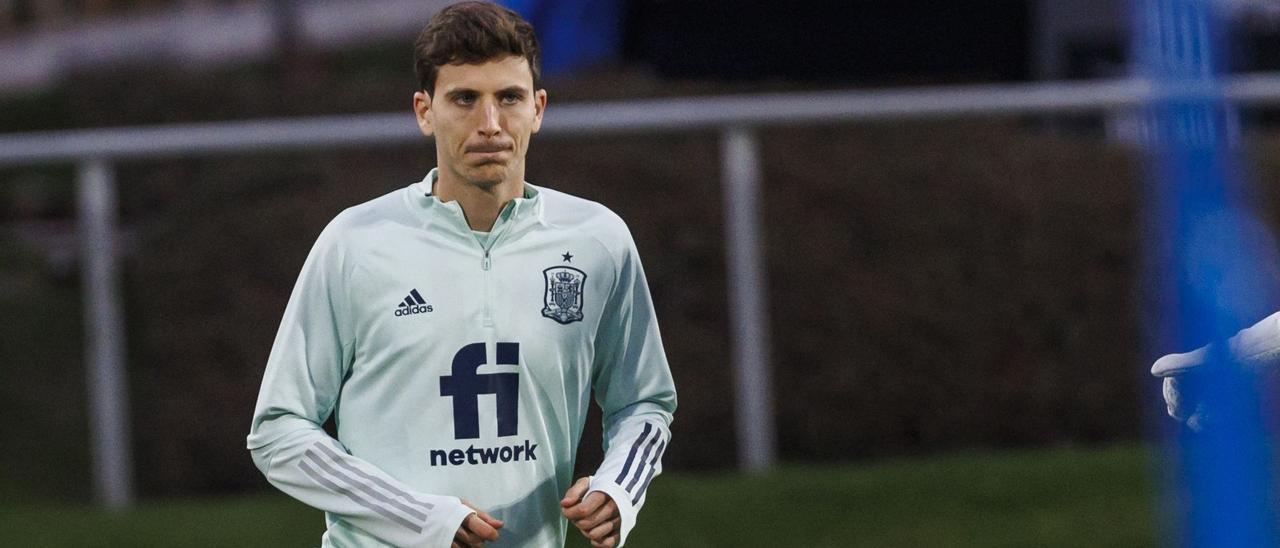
(455, 515)
(626, 511)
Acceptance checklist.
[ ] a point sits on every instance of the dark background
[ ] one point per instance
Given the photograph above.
(932, 284)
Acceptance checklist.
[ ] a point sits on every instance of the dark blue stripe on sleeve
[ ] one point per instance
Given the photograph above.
(631, 456)
(653, 467)
(643, 457)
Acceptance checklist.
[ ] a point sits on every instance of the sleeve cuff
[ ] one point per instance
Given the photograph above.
(449, 524)
(620, 498)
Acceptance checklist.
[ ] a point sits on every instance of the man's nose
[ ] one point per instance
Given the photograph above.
(490, 120)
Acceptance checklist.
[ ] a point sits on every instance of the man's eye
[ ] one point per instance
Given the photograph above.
(465, 99)
(511, 99)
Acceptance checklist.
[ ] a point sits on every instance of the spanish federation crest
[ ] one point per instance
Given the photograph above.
(562, 300)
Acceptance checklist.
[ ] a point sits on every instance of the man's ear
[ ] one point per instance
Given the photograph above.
(539, 107)
(422, 110)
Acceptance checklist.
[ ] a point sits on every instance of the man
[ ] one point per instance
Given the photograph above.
(1255, 348)
(455, 330)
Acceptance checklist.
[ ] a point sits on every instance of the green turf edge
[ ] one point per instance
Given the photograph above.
(1053, 497)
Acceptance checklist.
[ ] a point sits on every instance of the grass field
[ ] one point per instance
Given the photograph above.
(1059, 497)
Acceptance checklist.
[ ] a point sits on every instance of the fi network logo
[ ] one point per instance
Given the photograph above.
(465, 387)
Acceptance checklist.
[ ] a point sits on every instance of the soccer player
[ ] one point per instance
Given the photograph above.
(455, 329)
(1255, 348)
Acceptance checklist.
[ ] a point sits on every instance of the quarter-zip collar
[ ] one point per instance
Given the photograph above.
(515, 218)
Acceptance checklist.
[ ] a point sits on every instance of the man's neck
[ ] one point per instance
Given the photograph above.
(480, 206)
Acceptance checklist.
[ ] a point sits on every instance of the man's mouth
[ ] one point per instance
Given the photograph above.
(487, 149)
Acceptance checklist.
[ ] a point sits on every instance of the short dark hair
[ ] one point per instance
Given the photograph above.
(473, 33)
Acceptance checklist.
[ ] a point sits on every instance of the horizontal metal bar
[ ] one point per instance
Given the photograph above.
(207, 138)
(629, 117)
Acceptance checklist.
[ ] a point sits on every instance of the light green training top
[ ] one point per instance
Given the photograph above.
(461, 369)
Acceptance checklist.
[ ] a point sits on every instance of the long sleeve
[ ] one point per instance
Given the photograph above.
(634, 389)
(1258, 346)
(311, 356)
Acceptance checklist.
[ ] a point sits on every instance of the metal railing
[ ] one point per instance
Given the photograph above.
(735, 117)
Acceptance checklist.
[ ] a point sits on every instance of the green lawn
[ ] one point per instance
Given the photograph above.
(1062, 497)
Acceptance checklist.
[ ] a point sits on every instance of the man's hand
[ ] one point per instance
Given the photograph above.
(595, 515)
(1181, 375)
(476, 530)
(1256, 349)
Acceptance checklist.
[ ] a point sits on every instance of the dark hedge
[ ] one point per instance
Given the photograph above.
(931, 285)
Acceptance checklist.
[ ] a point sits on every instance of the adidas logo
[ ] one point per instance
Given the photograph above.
(413, 304)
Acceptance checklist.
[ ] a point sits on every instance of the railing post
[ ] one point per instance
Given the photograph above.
(748, 298)
(104, 334)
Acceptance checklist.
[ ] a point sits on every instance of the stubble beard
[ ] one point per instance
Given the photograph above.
(487, 176)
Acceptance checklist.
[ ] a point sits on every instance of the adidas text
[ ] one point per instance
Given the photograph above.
(415, 309)
(413, 304)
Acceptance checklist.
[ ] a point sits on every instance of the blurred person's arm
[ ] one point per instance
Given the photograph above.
(309, 361)
(636, 393)
(1256, 348)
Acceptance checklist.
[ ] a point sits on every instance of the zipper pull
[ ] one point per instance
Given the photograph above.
(485, 263)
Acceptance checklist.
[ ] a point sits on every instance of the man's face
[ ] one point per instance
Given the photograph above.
(482, 117)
